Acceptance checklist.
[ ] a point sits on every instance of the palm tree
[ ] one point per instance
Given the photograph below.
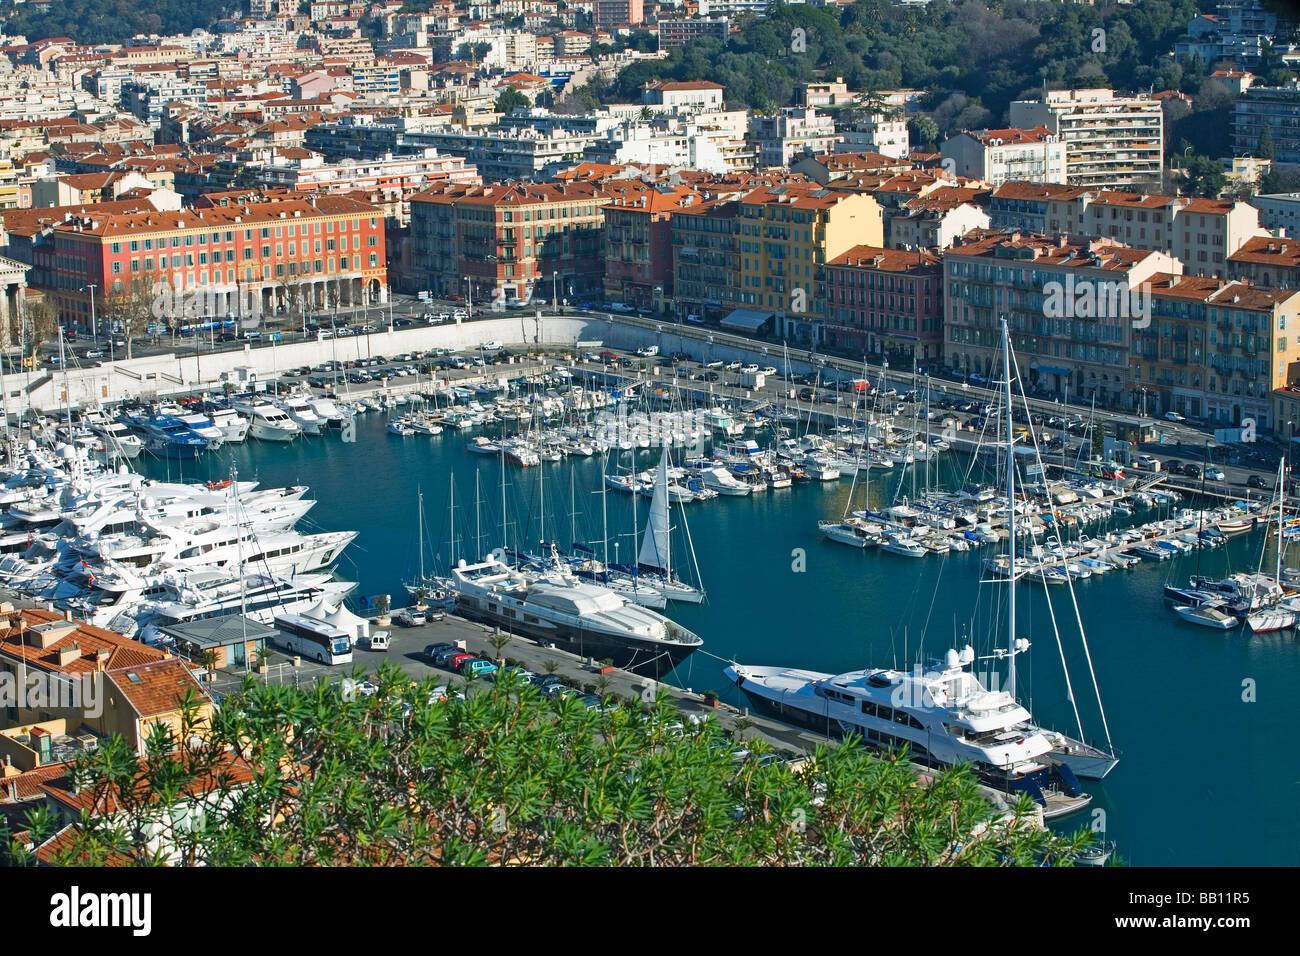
(550, 666)
(499, 640)
(603, 684)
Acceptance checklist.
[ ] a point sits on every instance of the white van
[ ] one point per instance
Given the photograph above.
(378, 641)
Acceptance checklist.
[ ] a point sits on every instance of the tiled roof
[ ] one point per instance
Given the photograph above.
(1265, 250)
(88, 640)
(887, 260)
(154, 689)
(1057, 192)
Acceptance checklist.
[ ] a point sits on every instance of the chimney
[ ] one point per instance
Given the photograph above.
(101, 658)
(69, 654)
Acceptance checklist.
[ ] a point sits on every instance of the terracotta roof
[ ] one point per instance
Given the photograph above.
(1265, 250)
(1013, 137)
(219, 216)
(229, 772)
(1104, 254)
(1056, 192)
(154, 689)
(796, 195)
(887, 260)
(83, 641)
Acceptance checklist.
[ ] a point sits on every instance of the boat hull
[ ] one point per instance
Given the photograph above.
(647, 658)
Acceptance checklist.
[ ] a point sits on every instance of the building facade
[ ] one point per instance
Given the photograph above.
(1111, 141)
(887, 303)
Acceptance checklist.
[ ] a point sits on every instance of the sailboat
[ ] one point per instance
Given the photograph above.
(654, 560)
(1275, 616)
(424, 585)
(854, 529)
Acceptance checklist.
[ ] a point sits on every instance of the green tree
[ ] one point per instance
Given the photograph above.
(509, 100)
(1264, 145)
(289, 776)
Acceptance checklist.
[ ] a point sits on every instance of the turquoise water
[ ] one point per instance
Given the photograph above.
(1207, 775)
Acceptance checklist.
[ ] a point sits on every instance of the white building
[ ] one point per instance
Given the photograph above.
(1111, 142)
(996, 156)
(884, 133)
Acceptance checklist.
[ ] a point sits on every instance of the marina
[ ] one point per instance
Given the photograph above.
(740, 508)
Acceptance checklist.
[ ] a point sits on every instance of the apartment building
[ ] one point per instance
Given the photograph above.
(678, 33)
(938, 219)
(638, 241)
(1037, 208)
(792, 132)
(1269, 262)
(995, 156)
(229, 245)
(613, 14)
(397, 178)
(1275, 108)
(1070, 305)
(1111, 141)
(1279, 213)
(1201, 233)
(883, 133)
(508, 240)
(706, 258)
(1216, 348)
(700, 94)
(786, 235)
(887, 303)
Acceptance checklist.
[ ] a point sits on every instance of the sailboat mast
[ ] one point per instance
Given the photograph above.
(1011, 511)
(604, 509)
(451, 507)
(478, 519)
(1281, 502)
(419, 494)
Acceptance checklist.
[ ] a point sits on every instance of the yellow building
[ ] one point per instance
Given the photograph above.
(9, 191)
(786, 233)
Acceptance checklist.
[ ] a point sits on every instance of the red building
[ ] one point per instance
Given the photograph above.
(886, 302)
(638, 240)
(234, 252)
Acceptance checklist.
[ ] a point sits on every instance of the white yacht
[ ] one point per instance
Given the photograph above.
(942, 713)
(329, 412)
(268, 423)
(233, 426)
(116, 436)
(556, 607)
(303, 414)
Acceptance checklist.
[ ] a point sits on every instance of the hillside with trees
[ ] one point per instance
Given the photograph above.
(113, 21)
(972, 57)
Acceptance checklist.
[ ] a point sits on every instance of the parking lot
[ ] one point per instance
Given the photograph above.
(407, 651)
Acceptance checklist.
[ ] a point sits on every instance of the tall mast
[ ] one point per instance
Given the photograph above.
(451, 507)
(604, 508)
(503, 494)
(1011, 511)
(478, 520)
(419, 497)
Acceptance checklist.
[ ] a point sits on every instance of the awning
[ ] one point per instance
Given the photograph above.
(749, 319)
(1050, 369)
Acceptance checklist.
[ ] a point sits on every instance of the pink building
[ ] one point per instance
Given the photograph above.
(886, 302)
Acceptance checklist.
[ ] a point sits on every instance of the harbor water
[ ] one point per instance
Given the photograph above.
(1200, 717)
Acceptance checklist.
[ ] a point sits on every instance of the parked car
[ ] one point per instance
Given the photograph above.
(716, 363)
(513, 670)
(378, 641)
(1255, 481)
(491, 346)
(1174, 417)
(1147, 462)
(768, 370)
(444, 656)
(410, 617)
(1214, 473)
(733, 366)
(93, 353)
(432, 651)
(1192, 470)
(477, 667)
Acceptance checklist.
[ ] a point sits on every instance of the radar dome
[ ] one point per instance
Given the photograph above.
(952, 658)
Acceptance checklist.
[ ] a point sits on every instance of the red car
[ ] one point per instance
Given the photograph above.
(455, 663)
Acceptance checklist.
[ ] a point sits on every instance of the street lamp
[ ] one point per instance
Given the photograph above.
(555, 277)
(469, 295)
